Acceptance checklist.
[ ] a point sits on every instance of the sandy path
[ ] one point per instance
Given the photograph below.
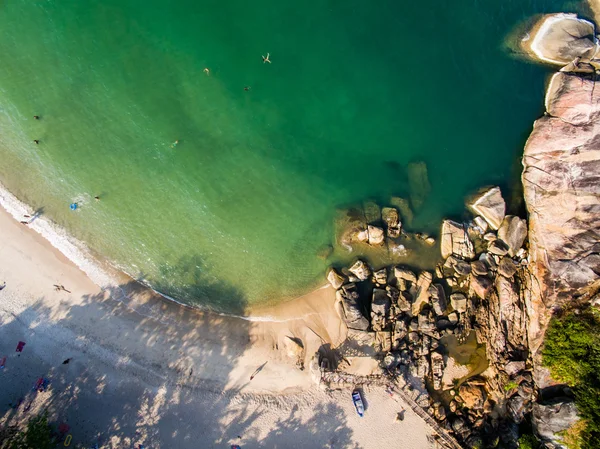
(144, 370)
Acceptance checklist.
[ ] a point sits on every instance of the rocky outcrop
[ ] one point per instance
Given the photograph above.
(552, 418)
(561, 182)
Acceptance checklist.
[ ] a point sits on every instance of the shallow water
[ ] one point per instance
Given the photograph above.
(237, 212)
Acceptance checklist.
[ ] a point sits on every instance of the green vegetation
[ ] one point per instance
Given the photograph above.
(510, 385)
(528, 441)
(572, 352)
(37, 435)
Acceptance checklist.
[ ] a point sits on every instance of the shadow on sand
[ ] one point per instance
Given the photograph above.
(143, 370)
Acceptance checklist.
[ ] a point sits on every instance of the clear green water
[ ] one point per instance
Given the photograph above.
(239, 209)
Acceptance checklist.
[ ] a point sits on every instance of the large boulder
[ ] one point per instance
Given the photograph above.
(438, 299)
(353, 317)
(561, 38)
(335, 279)
(380, 307)
(490, 205)
(458, 302)
(513, 231)
(455, 240)
(472, 396)
(481, 286)
(361, 270)
(422, 291)
(560, 182)
(550, 419)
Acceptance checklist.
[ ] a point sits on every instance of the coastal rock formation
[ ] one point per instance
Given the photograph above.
(513, 231)
(361, 270)
(352, 313)
(335, 279)
(561, 38)
(562, 193)
(491, 206)
(553, 418)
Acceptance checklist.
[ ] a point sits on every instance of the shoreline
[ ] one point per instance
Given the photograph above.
(103, 274)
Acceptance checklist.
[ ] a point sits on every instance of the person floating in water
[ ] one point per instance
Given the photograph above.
(174, 144)
(36, 117)
(37, 142)
(97, 198)
(247, 88)
(266, 58)
(207, 71)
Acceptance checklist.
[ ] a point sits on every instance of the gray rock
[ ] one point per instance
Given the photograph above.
(380, 307)
(462, 268)
(335, 279)
(498, 247)
(380, 276)
(422, 367)
(437, 370)
(513, 232)
(481, 286)
(549, 420)
(458, 302)
(490, 205)
(400, 330)
(481, 224)
(438, 299)
(406, 275)
(422, 291)
(489, 260)
(353, 317)
(392, 220)
(455, 240)
(479, 268)
(453, 317)
(361, 270)
(426, 323)
(376, 235)
(404, 302)
(514, 368)
(517, 408)
(507, 267)
(413, 337)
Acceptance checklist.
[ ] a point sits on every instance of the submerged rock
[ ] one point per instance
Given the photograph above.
(372, 212)
(418, 182)
(490, 205)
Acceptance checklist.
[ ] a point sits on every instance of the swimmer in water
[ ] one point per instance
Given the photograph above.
(36, 142)
(247, 88)
(36, 117)
(266, 58)
(207, 71)
(97, 198)
(174, 144)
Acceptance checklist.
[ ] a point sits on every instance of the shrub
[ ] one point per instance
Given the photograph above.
(572, 352)
(37, 435)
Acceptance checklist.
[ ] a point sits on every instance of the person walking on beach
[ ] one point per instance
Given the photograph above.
(3, 285)
(266, 58)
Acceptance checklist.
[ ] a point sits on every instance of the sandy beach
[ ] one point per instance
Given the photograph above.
(143, 370)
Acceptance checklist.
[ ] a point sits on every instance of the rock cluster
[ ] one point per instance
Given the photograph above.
(477, 287)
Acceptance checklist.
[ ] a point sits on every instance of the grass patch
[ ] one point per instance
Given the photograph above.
(572, 352)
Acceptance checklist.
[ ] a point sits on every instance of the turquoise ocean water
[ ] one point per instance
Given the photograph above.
(243, 204)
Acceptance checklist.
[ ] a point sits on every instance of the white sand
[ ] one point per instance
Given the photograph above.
(145, 370)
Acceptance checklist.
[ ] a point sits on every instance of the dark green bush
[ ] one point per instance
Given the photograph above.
(572, 352)
(37, 435)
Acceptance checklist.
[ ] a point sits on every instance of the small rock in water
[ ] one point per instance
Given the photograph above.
(392, 220)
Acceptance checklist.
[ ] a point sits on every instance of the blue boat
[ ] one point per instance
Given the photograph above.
(358, 403)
